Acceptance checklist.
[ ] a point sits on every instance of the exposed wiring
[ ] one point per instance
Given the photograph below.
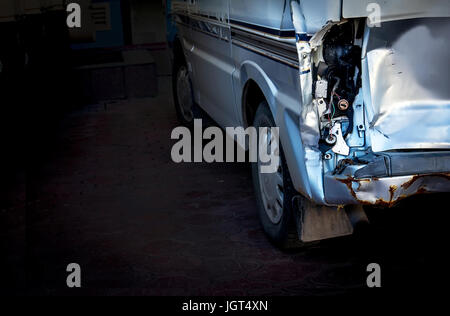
(334, 110)
(331, 104)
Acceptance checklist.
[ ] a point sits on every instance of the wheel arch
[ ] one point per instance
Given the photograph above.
(252, 77)
(256, 88)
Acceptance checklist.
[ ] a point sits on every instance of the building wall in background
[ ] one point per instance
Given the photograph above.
(108, 28)
(148, 22)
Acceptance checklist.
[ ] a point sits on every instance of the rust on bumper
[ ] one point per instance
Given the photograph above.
(384, 192)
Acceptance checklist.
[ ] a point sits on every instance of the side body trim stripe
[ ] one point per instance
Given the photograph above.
(254, 39)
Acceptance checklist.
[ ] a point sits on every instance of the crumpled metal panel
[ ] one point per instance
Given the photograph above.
(406, 85)
(389, 191)
(406, 106)
(384, 192)
(346, 189)
(309, 116)
(319, 12)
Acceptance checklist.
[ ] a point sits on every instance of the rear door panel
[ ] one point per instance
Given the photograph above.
(213, 65)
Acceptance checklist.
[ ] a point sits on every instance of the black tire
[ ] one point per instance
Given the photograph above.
(284, 233)
(180, 66)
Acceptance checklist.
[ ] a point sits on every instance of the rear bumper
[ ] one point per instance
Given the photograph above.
(389, 178)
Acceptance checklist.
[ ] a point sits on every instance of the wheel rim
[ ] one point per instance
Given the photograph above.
(272, 184)
(184, 94)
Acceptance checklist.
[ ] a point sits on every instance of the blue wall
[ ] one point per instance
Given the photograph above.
(112, 38)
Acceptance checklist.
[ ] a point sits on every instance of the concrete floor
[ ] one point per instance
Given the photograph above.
(105, 194)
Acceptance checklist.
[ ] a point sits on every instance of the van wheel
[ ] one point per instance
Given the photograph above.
(183, 94)
(274, 191)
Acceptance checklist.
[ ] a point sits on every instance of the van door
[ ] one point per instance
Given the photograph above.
(213, 65)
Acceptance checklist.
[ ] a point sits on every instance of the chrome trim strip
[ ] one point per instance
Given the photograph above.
(265, 53)
(264, 44)
(278, 33)
(275, 47)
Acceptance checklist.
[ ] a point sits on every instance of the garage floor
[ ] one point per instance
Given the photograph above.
(105, 194)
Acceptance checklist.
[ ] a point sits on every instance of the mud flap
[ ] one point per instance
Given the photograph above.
(317, 222)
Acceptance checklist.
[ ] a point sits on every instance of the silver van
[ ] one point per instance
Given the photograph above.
(359, 90)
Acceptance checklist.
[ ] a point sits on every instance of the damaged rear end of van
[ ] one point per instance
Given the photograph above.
(375, 120)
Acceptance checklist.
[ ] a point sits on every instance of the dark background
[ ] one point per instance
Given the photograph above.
(86, 177)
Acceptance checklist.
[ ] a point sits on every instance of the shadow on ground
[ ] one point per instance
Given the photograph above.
(106, 195)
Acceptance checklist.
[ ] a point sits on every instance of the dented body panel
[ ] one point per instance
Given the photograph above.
(406, 85)
(399, 102)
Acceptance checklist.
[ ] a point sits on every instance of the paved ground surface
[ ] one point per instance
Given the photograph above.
(105, 194)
